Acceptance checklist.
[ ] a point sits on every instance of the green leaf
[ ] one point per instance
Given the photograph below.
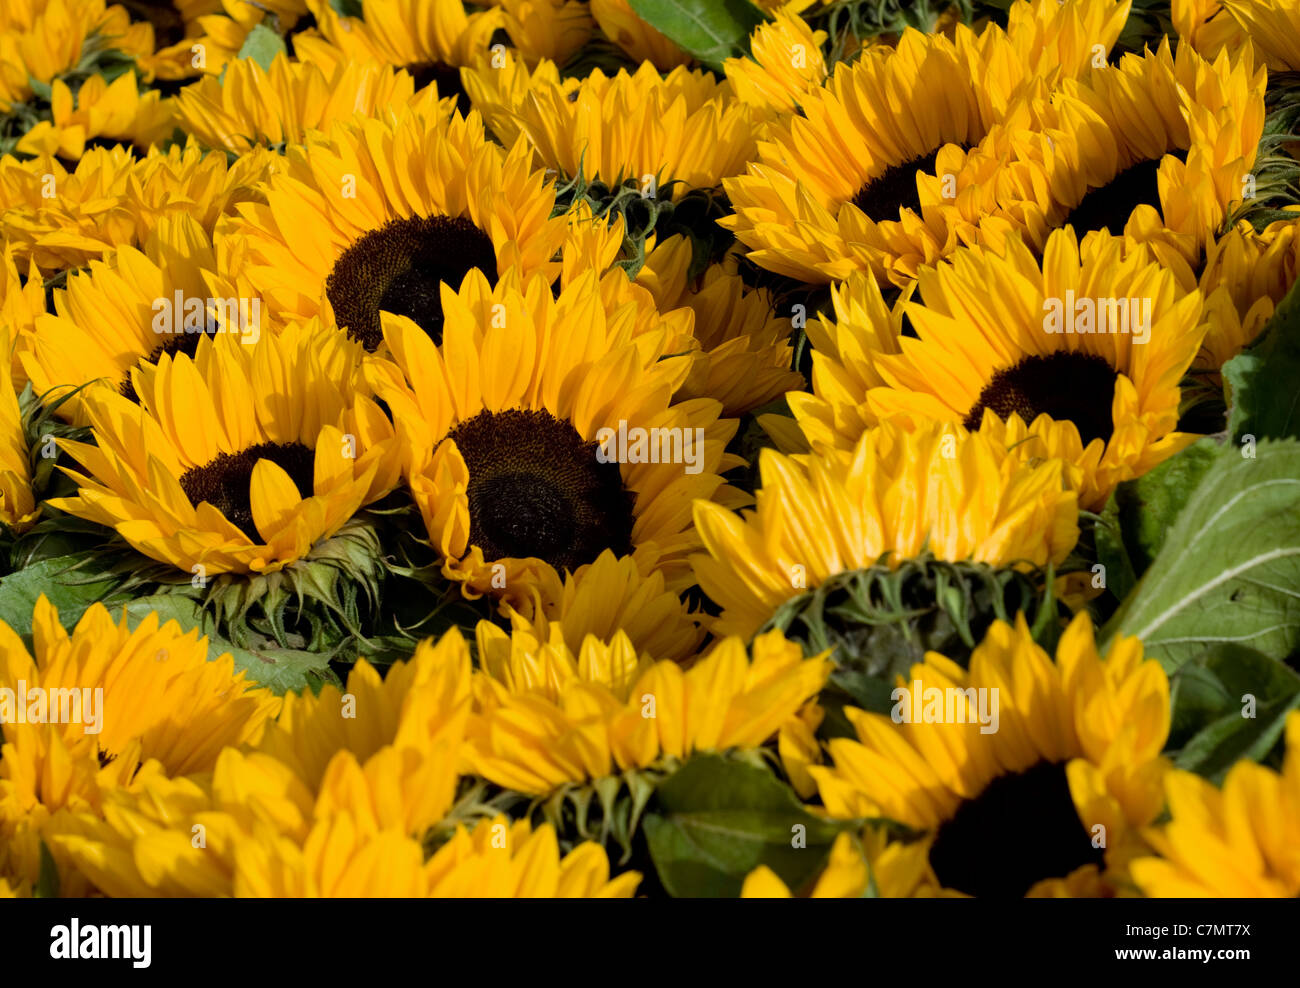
(280, 669)
(1121, 575)
(1221, 682)
(69, 589)
(1229, 570)
(716, 820)
(1149, 505)
(708, 30)
(47, 880)
(1263, 399)
(1216, 684)
(262, 45)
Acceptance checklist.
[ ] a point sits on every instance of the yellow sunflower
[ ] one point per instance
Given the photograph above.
(1238, 842)
(638, 39)
(1246, 275)
(238, 459)
(119, 312)
(1273, 27)
(250, 105)
(22, 300)
(1025, 776)
(63, 219)
(18, 508)
(123, 697)
(550, 29)
(116, 111)
(377, 213)
(786, 62)
(858, 865)
(547, 716)
(1207, 27)
(744, 355)
(896, 493)
(431, 39)
(540, 430)
(222, 32)
(686, 127)
(835, 188)
(1079, 359)
(1160, 147)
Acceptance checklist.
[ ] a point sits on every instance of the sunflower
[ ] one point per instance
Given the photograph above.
(613, 595)
(331, 806)
(858, 865)
(686, 127)
(835, 188)
(744, 356)
(64, 219)
(1207, 27)
(785, 62)
(527, 431)
(22, 300)
(1159, 147)
(148, 695)
(1246, 275)
(1072, 765)
(1273, 27)
(115, 111)
(1238, 842)
(223, 31)
(250, 105)
(546, 716)
(1064, 360)
(431, 39)
(550, 29)
(238, 459)
(107, 318)
(375, 214)
(638, 39)
(18, 508)
(894, 496)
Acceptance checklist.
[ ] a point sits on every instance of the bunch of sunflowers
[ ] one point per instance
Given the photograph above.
(650, 447)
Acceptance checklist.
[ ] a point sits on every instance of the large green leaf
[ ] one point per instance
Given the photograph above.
(280, 669)
(715, 820)
(708, 30)
(1148, 506)
(1229, 570)
(1213, 690)
(68, 588)
(1265, 402)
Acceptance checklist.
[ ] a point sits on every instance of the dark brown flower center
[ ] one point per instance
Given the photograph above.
(226, 481)
(1108, 207)
(884, 197)
(400, 268)
(537, 489)
(445, 77)
(1021, 829)
(186, 343)
(1079, 387)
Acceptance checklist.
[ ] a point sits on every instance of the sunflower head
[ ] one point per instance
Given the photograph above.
(238, 459)
(541, 432)
(1026, 776)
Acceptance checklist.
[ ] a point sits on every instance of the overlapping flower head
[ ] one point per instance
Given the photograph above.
(527, 432)
(95, 711)
(339, 799)
(835, 187)
(237, 459)
(1161, 147)
(894, 496)
(1050, 801)
(377, 213)
(1078, 357)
